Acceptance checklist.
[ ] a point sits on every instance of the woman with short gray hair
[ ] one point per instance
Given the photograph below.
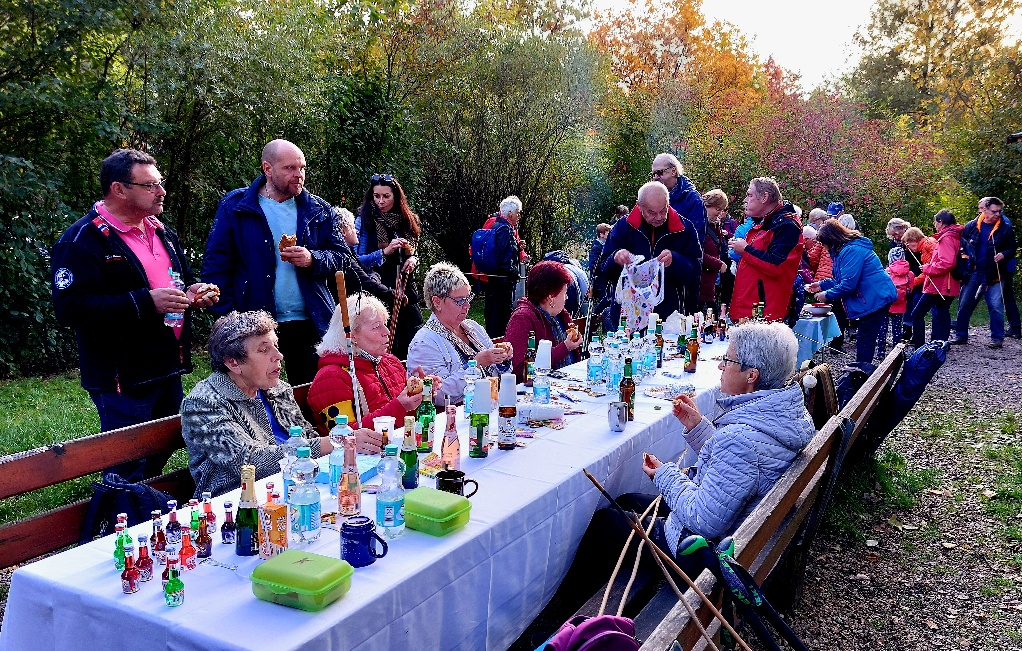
(242, 412)
(449, 340)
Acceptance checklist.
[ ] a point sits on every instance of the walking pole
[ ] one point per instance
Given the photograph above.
(660, 554)
(349, 345)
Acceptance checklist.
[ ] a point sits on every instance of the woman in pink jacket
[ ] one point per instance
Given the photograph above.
(939, 287)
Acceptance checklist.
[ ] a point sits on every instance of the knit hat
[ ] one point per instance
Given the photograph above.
(895, 254)
(809, 232)
(835, 208)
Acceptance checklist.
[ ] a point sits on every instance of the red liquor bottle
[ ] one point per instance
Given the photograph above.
(187, 549)
(130, 575)
(144, 564)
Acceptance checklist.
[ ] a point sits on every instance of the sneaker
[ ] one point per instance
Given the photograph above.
(996, 343)
(958, 341)
(1015, 335)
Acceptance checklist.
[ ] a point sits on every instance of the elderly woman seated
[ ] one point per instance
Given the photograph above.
(241, 413)
(754, 425)
(448, 340)
(382, 379)
(542, 312)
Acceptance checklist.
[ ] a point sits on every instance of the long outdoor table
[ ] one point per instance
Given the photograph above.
(476, 588)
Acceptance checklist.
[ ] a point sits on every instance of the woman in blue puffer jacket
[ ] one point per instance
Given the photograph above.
(859, 281)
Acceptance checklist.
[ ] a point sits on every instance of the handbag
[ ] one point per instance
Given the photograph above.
(640, 288)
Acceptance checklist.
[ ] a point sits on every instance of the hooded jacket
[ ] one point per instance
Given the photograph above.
(241, 255)
(819, 260)
(917, 259)
(330, 394)
(676, 235)
(937, 277)
(859, 281)
(903, 279)
(688, 203)
(772, 256)
(744, 447)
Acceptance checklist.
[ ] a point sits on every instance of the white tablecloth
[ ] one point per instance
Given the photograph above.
(477, 588)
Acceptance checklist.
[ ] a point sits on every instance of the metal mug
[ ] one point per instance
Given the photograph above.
(453, 481)
(358, 541)
(617, 416)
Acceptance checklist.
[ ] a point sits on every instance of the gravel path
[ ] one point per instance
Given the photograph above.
(944, 573)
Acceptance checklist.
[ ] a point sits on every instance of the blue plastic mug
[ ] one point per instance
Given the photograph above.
(358, 548)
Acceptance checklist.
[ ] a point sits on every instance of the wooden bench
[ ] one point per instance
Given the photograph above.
(23, 472)
(783, 524)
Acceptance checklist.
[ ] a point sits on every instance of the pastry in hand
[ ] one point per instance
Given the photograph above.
(415, 385)
(209, 291)
(573, 333)
(505, 346)
(286, 241)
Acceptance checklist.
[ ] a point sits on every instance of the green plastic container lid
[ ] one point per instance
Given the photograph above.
(434, 505)
(301, 572)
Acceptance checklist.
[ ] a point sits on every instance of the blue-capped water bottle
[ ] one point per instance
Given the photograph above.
(295, 440)
(594, 367)
(337, 435)
(304, 508)
(472, 373)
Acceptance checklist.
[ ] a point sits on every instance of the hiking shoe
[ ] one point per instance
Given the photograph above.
(1015, 335)
(958, 341)
(996, 343)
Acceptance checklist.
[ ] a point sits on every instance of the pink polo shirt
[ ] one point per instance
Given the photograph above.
(146, 246)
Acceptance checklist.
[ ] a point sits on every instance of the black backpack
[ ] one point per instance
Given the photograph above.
(965, 263)
(115, 495)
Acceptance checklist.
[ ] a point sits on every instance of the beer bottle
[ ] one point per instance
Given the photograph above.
(173, 586)
(627, 389)
(130, 575)
(659, 343)
(159, 539)
(229, 530)
(173, 526)
(426, 415)
(188, 551)
(478, 440)
(144, 564)
(507, 413)
(410, 457)
(204, 542)
(450, 449)
(692, 352)
(384, 441)
(247, 522)
(349, 487)
(530, 360)
(207, 507)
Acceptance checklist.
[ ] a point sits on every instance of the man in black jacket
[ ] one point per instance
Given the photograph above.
(992, 242)
(500, 286)
(112, 284)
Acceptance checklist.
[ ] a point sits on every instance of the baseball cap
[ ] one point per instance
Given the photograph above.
(835, 208)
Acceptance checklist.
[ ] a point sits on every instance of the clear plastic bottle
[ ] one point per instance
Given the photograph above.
(594, 367)
(541, 386)
(295, 440)
(650, 353)
(304, 507)
(173, 319)
(615, 366)
(472, 373)
(337, 435)
(638, 357)
(390, 497)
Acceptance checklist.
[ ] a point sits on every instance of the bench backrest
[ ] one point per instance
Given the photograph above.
(766, 534)
(23, 472)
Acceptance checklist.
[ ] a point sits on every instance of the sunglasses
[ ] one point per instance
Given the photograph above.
(386, 178)
(655, 174)
(462, 302)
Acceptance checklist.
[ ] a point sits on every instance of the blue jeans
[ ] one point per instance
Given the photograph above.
(869, 334)
(132, 407)
(941, 327)
(969, 298)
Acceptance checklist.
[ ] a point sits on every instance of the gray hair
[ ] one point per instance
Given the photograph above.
(231, 333)
(344, 218)
(986, 202)
(896, 223)
(510, 205)
(817, 214)
(673, 160)
(652, 186)
(358, 304)
(769, 347)
(847, 221)
(441, 279)
(768, 186)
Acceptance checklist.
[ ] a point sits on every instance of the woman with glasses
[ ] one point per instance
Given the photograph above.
(542, 311)
(449, 340)
(388, 239)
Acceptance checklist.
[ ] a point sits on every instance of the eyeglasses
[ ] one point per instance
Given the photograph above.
(151, 186)
(725, 360)
(462, 302)
(386, 178)
(655, 174)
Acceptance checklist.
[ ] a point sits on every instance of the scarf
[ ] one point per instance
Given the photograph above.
(560, 334)
(388, 225)
(466, 351)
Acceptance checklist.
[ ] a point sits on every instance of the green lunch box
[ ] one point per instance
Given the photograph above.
(435, 512)
(302, 580)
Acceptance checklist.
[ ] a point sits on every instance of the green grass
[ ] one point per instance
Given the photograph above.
(36, 412)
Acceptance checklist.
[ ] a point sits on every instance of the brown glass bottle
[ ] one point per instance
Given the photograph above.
(692, 352)
(627, 388)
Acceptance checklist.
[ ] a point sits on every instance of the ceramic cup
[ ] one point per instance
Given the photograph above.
(358, 541)
(617, 416)
(453, 481)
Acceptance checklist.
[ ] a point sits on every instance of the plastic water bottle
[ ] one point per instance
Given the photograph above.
(638, 358)
(390, 497)
(472, 373)
(291, 446)
(173, 319)
(304, 508)
(615, 366)
(650, 356)
(337, 435)
(594, 367)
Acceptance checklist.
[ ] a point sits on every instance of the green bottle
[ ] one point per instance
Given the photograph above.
(174, 588)
(479, 422)
(409, 456)
(119, 546)
(530, 359)
(246, 539)
(426, 415)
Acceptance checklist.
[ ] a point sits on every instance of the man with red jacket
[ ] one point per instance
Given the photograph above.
(770, 252)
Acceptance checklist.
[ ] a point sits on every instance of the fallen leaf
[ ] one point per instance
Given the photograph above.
(910, 527)
(948, 545)
(930, 625)
(988, 493)
(896, 523)
(872, 543)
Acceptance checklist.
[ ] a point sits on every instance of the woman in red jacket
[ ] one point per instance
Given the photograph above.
(939, 286)
(542, 311)
(381, 376)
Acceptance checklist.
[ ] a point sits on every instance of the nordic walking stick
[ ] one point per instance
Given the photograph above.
(660, 554)
(349, 345)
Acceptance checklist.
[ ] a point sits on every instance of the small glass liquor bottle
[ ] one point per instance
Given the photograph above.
(173, 526)
(204, 542)
(530, 360)
(269, 492)
(119, 545)
(193, 515)
(450, 449)
(627, 389)
(409, 456)
(188, 551)
(349, 487)
(159, 539)
(507, 413)
(426, 415)
(173, 586)
(384, 441)
(247, 520)
(130, 575)
(228, 530)
(659, 343)
(207, 508)
(144, 564)
(692, 352)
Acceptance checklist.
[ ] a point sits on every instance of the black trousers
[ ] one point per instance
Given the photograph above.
(297, 342)
(500, 293)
